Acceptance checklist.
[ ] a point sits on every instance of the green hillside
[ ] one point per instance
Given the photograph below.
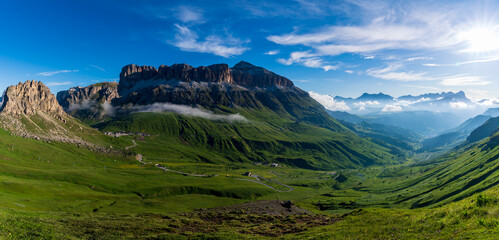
(265, 137)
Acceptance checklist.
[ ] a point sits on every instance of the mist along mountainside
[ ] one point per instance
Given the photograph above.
(231, 153)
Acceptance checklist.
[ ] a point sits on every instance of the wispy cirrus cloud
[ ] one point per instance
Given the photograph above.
(98, 68)
(54, 84)
(464, 80)
(46, 74)
(412, 59)
(189, 14)
(410, 28)
(482, 60)
(307, 59)
(391, 73)
(422, 87)
(189, 41)
(183, 13)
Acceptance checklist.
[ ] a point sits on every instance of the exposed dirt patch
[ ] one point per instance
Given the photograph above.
(267, 207)
(251, 219)
(264, 218)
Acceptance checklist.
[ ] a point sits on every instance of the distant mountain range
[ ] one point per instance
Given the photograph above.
(453, 102)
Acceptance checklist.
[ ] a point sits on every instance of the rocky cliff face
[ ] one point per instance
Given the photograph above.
(91, 102)
(30, 110)
(98, 93)
(249, 75)
(30, 98)
(244, 85)
(242, 74)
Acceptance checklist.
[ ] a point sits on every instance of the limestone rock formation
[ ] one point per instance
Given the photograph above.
(91, 102)
(247, 74)
(99, 93)
(242, 74)
(29, 98)
(213, 87)
(30, 110)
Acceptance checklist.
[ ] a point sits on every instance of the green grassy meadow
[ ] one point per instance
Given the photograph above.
(54, 190)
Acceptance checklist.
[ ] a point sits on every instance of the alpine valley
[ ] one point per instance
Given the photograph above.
(183, 152)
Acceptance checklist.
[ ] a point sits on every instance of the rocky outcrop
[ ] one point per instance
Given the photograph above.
(30, 110)
(29, 98)
(98, 93)
(249, 75)
(242, 74)
(91, 102)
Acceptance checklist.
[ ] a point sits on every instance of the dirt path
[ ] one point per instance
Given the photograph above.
(183, 173)
(140, 158)
(260, 182)
(134, 145)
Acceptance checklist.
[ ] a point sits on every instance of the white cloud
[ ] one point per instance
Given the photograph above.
(366, 103)
(422, 87)
(97, 67)
(392, 108)
(459, 105)
(328, 102)
(409, 28)
(273, 52)
(488, 102)
(188, 111)
(308, 60)
(188, 40)
(489, 59)
(46, 74)
(464, 80)
(380, 34)
(389, 73)
(189, 14)
(419, 58)
(52, 84)
(349, 71)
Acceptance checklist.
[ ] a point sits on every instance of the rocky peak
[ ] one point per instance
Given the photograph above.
(242, 65)
(375, 97)
(30, 98)
(133, 73)
(249, 75)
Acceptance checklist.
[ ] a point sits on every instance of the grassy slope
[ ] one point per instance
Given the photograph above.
(463, 174)
(471, 218)
(49, 192)
(63, 177)
(264, 138)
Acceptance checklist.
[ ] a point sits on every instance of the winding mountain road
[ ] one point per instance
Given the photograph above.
(260, 182)
(140, 158)
(134, 145)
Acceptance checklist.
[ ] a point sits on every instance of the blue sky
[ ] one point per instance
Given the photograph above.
(329, 47)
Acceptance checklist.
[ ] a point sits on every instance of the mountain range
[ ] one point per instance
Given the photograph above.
(144, 152)
(229, 106)
(457, 103)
